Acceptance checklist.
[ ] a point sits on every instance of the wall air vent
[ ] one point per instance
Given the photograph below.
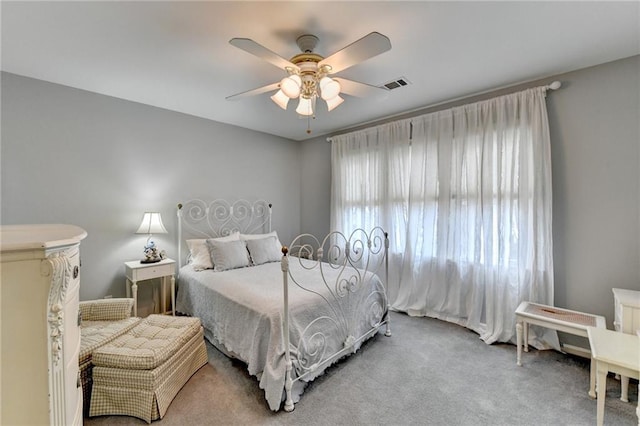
(399, 82)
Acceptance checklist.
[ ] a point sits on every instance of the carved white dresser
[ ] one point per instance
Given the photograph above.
(39, 295)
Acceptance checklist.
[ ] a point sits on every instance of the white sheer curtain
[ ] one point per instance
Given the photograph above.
(465, 194)
(370, 176)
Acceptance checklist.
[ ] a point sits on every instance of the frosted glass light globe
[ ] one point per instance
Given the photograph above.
(329, 88)
(290, 86)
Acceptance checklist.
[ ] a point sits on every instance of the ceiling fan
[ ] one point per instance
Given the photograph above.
(308, 73)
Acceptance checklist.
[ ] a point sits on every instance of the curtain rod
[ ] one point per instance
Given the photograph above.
(554, 85)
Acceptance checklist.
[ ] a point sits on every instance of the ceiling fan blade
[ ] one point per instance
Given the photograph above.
(252, 92)
(262, 52)
(367, 47)
(358, 89)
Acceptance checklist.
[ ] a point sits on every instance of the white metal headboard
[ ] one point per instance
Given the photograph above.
(218, 218)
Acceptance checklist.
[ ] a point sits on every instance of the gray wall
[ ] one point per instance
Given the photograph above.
(71, 156)
(98, 162)
(315, 156)
(594, 121)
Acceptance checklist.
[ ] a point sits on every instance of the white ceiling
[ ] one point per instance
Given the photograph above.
(176, 55)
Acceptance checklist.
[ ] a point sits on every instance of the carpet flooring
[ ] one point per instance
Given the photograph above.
(429, 372)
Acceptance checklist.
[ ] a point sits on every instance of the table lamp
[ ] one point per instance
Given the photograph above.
(151, 224)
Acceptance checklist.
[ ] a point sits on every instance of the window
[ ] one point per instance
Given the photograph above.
(465, 196)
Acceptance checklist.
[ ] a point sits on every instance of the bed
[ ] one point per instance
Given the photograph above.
(319, 299)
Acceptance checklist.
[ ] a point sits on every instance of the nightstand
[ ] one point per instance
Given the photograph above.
(137, 272)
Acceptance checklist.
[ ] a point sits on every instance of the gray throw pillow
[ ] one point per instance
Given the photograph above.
(264, 250)
(227, 255)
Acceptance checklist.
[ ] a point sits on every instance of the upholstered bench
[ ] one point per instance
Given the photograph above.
(103, 320)
(139, 373)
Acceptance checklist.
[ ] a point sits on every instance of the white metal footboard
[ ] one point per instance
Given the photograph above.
(359, 259)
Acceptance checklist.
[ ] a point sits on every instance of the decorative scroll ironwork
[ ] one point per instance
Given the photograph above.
(220, 218)
(360, 260)
(202, 219)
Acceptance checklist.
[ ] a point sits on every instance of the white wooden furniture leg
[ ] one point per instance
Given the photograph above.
(624, 391)
(592, 378)
(173, 295)
(134, 289)
(638, 407)
(602, 391)
(519, 343)
(163, 296)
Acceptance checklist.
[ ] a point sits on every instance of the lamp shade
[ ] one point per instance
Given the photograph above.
(305, 107)
(280, 99)
(151, 224)
(334, 102)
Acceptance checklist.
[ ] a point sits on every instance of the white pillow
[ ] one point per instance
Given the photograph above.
(200, 256)
(247, 237)
(227, 255)
(264, 250)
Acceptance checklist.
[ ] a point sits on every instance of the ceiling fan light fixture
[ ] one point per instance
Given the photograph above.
(334, 102)
(290, 86)
(307, 73)
(329, 88)
(305, 106)
(324, 81)
(280, 99)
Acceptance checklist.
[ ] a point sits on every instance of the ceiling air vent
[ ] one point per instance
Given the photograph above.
(399, 82)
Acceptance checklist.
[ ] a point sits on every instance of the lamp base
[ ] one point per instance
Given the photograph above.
(151, 260)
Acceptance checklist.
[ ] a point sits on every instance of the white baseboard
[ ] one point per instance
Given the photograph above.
(576, 350)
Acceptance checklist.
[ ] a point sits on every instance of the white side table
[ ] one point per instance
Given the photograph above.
(137, 272)
(617, 353)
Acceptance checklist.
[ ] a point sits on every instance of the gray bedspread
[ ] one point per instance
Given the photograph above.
(242, 311)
